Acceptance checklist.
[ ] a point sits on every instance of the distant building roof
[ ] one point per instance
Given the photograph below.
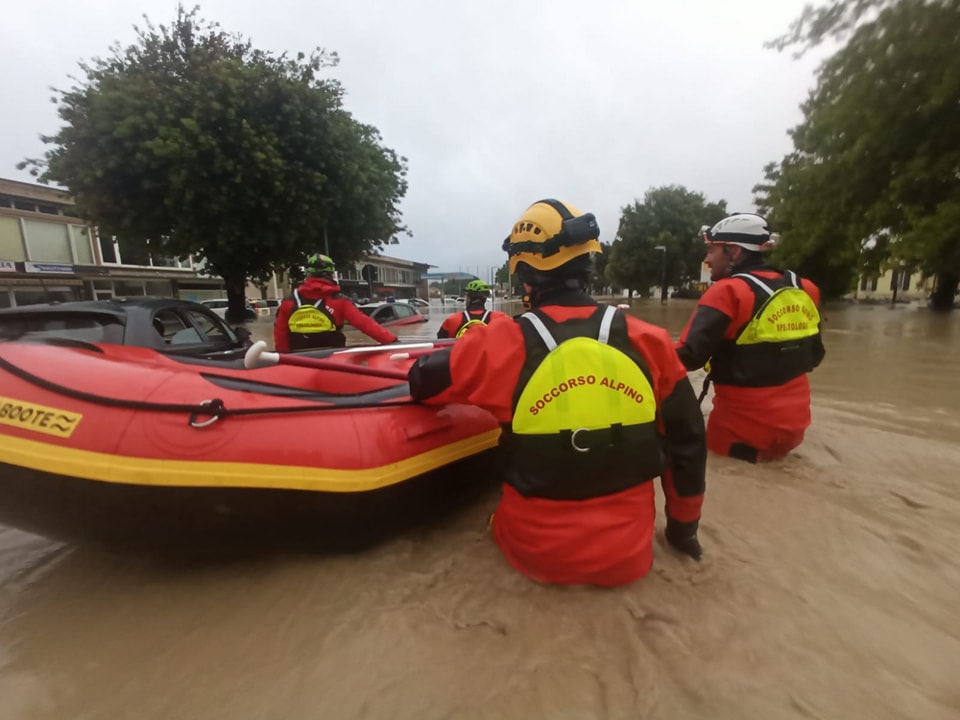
(37, 193)
(397, 261)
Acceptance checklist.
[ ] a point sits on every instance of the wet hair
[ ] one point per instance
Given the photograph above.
(477, 298)
(748, 258)
(573, 275)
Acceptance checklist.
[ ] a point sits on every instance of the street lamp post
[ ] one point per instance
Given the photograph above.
(663, 274)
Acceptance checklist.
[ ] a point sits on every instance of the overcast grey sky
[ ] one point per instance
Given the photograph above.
(495, 104)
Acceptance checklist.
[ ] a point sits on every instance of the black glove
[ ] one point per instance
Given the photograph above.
(682, 536)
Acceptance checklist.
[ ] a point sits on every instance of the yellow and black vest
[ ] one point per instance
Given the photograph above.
(312, 325)
(469, 321)
(781, 342)
(584, 411)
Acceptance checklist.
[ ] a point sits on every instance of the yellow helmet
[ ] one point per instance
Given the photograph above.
(550, 234)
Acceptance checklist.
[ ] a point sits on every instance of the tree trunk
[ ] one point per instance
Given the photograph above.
(236, 300)
(943, 297)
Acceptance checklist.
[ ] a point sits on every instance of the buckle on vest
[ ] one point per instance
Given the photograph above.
(573, 440)
(599, 437)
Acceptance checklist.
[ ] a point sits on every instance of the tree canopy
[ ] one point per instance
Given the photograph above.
(204, 145)
(669, 217)
(874, 177)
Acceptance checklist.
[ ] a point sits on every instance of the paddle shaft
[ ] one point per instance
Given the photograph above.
(323, 364)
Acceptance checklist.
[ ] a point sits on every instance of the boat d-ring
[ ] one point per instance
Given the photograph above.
(573, 440)
(215, 415)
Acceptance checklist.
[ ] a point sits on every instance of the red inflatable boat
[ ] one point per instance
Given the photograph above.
(95, 437)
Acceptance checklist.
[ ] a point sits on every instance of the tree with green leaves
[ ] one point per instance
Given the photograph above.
(598, 274)
(874, 177)
(504, 277)
(209, 147)
(669, 217)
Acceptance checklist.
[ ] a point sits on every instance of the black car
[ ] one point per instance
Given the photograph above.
(174, 327)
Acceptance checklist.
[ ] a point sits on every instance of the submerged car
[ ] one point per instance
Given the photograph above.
(174, 327)
(418, 303)
(250, 311)
(395, 313)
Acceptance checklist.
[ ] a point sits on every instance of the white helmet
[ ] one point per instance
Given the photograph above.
(747, 230)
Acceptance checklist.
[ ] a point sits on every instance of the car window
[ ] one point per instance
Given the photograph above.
(366, 310)
(217, 332)
(173, 329)
(383, 314)
(87, 328)
(404, 311)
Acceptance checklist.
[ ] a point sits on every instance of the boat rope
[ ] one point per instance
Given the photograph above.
(213, 409)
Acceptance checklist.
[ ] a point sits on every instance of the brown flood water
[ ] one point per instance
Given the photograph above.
(830, 588)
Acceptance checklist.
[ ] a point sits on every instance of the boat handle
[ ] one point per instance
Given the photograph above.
(257, 352)
(206, 423)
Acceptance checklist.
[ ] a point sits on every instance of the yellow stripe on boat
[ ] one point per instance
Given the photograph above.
(121, 469)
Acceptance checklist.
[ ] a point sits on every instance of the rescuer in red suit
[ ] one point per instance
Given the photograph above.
(476, 313)
(313, 317)
(757, 329)
(594, 405)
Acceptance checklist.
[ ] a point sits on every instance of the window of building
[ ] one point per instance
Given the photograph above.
(107, 249)
(82, 244)
(159, 288)
(900, 279)
(47, 241)
(128, 288)
(21, 205)
(11, 242)
(37, 295)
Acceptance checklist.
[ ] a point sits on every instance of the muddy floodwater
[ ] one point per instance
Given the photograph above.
(829, 588)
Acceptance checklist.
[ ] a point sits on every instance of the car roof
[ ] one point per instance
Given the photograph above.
(115, 306)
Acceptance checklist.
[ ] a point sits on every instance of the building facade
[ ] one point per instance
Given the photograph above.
(900, 283)
(47, 253)
(374, 278)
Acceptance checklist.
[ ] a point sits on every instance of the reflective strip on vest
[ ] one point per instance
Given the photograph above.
(470, 321)
(786, 315)
(310, 319)
(583, 384)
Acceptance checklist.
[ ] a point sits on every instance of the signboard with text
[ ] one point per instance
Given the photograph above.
(37, 267)
(8, 266)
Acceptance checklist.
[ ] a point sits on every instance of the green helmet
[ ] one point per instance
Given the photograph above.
(318, 264)
(477, 286)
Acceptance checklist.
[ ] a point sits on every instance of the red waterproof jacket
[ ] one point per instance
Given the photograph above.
(452, 323)
(751, 410)
(576, 517)
(341, 309)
